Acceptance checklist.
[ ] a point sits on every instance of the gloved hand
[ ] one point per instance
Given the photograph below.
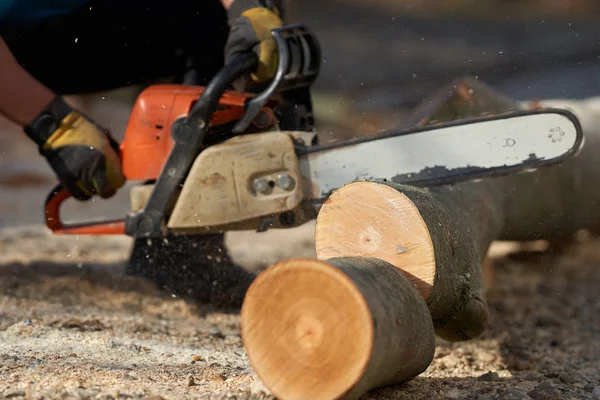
(83, 156)
(251, 22)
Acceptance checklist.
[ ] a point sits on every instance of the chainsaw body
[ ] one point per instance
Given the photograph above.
(249, 181)
(212, 160)
(236, 183)
(148, 140)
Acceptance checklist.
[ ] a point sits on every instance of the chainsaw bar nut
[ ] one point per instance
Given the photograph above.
(265, 186)
(286, 182)
(262, 186)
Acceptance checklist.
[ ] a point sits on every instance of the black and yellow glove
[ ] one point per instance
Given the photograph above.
(250, 25)
(83, 156)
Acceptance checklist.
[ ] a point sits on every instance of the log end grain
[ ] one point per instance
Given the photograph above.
(307, 330)
(367, 219)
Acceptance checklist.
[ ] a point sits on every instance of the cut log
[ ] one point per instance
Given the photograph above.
(385, 220)
(335, 329)
(439, 236)
(437, 241)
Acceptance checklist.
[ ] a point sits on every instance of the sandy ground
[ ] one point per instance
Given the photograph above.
(73, 327)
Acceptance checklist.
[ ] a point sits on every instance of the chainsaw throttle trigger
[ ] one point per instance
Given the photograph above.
(299, 61)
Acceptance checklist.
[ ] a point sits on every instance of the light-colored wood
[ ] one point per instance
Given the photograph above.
(335, 329)
(366, 219)
(462, 221)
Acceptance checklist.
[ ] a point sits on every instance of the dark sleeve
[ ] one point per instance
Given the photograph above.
(239, 6)
(5, 8)
(278, 4)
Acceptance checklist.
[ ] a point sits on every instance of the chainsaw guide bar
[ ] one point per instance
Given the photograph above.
(447, 153)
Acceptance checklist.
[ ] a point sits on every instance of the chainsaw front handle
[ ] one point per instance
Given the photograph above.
(242, 64)
(299, 62)
(53, 221)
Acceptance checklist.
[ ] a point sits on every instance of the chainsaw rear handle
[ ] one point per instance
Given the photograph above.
(201, 111)
(53, 202)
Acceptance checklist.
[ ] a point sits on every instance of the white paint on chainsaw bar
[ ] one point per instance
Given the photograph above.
(485, 144)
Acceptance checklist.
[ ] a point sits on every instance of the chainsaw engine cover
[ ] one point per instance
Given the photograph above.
(148, 143)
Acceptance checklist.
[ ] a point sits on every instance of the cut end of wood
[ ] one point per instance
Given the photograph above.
(368, 219)
(307, 330)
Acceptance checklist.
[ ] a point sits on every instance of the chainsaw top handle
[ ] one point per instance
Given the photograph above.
(242, 64)
(299, 59)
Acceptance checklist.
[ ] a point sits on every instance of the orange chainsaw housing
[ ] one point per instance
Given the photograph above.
(148, 141)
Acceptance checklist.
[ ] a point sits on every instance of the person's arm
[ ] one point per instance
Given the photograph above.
(227, 3)
(83, 156)
(21, 95)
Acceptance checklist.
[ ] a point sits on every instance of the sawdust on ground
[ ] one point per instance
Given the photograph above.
(73, 326)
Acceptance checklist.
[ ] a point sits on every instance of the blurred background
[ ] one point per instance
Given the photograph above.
(381, 55)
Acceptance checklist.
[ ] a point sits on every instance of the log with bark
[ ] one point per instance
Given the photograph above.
(435, 237)
(335, 329)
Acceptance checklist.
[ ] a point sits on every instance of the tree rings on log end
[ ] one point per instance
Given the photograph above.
(307, 330)
(367, 219)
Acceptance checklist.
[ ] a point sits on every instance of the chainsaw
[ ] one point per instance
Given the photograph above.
(210, 159)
